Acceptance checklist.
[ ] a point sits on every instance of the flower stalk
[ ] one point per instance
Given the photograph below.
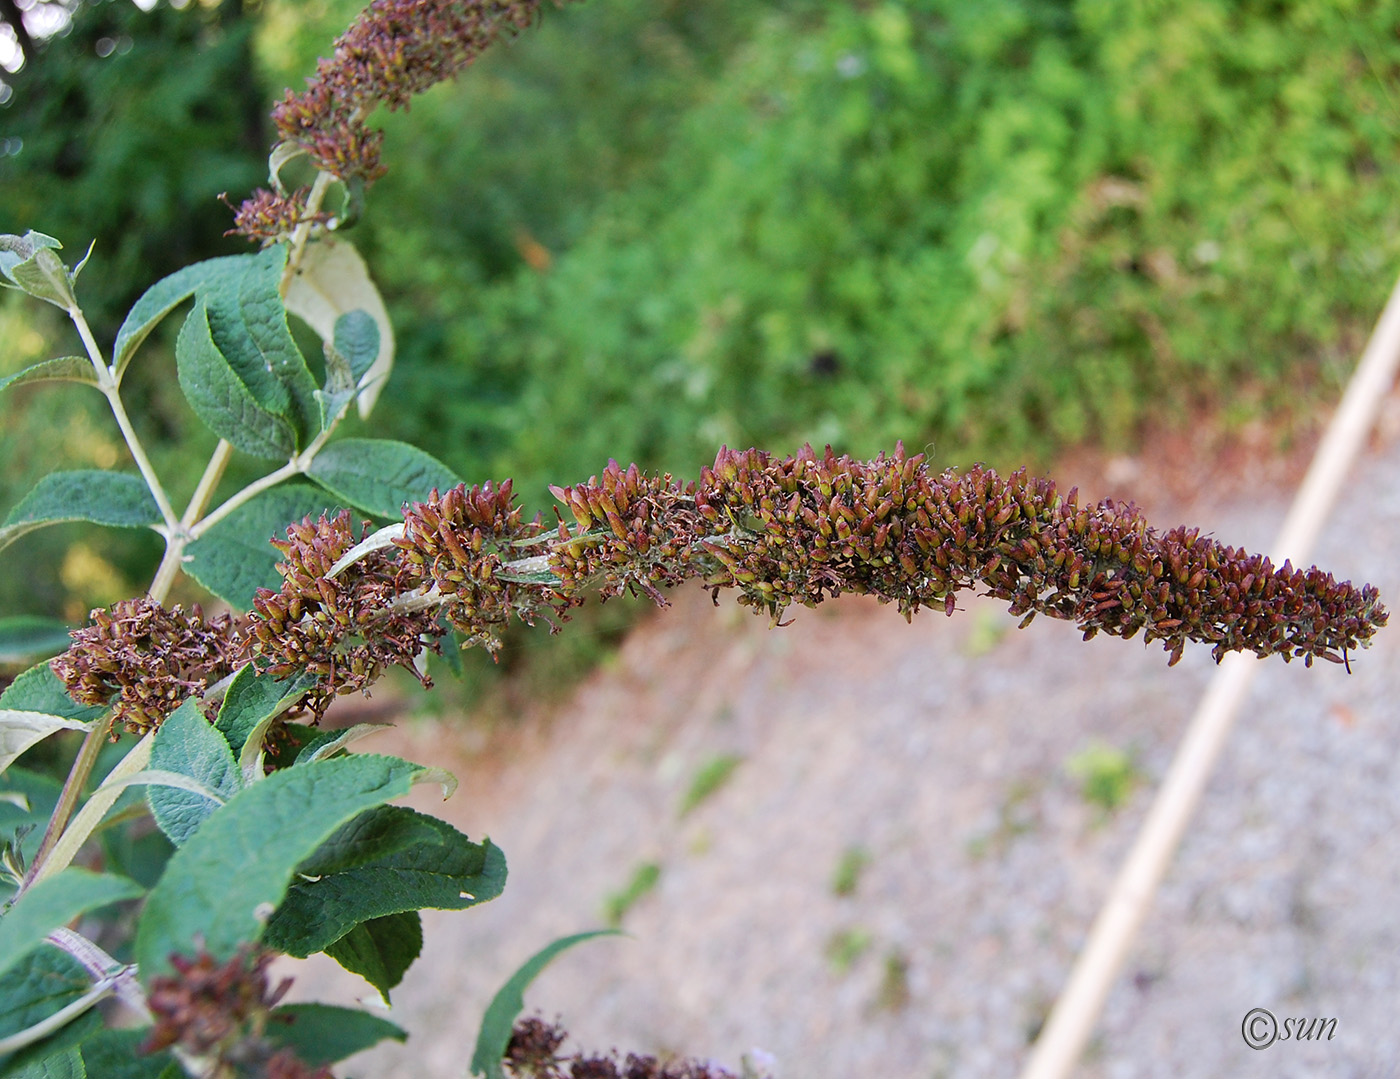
(780, 531)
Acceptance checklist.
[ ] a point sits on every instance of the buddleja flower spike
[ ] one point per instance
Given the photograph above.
(778, 530)
(394, 50)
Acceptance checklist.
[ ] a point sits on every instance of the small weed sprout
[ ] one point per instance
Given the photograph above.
(1107, 776)
(713, 775)
(644, 880)
(851, 865)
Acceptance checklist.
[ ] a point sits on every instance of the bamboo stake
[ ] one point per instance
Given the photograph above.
(1072, 1021)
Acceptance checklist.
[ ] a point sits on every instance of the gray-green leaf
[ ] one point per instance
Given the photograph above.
(378, 475)
(324, 1034)
(61, 369)
(333, 281)
(29, 261)
(167, 294)
(252, 698)
(188, 745)
(357, 339)
(31, 636)
(40, 690)
(116, 1054)
(105, 498)
(219, 396)
(386, 861)
(249, 325)
(31, 1061)
(381, 950)
(234, 558)
(45, 981)
(219, 889)
(20, 730)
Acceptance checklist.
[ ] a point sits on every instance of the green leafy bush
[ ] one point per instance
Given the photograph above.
(997, 228)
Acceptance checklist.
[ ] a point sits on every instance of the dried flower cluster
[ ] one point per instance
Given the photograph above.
(810, 527)
(632, 532)
(455, 547)
(533, 1053)
(780, 530)
(149, 659)
(306, 626)
(269, 216)
(219, 1013)
(394, 50)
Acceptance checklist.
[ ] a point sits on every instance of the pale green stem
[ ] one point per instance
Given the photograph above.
(166, 571)
(56, 1021)
(175, 549)
(94, 809)
(108, 385)
(213, 472)
(302, 233)
(68, 797)
(295, 467)
(257, 487)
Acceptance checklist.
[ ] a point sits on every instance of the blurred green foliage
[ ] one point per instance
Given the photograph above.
(995, 227)
(121, 132)
(648, 227)
(1107, 775)
(130, 124)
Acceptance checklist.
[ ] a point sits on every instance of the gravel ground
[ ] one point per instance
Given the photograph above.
(939, 751)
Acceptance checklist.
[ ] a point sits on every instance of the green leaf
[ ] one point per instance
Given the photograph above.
(188, 745)
(65, 1064)
(386, 861)
(61, 369)
(26, 804)
(105, 498)
(20, 730)
(138, 854)
(116, 1054)
(331, 282)
(381, 950)
(220, 888)
(356, 337)
(26, 798)
(30, 636)
(235, 558)
(252, 698)
(85, 1025)
(40, 690)
(29, 261)
(53, 902)
(248, 323)
(167, 294)
(45, 981)
(349, 355)
(379, 475)
(509, 1002)
(220, 398)
(323, 1034)
(329, 743)
(371, 837)
(17, 249)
